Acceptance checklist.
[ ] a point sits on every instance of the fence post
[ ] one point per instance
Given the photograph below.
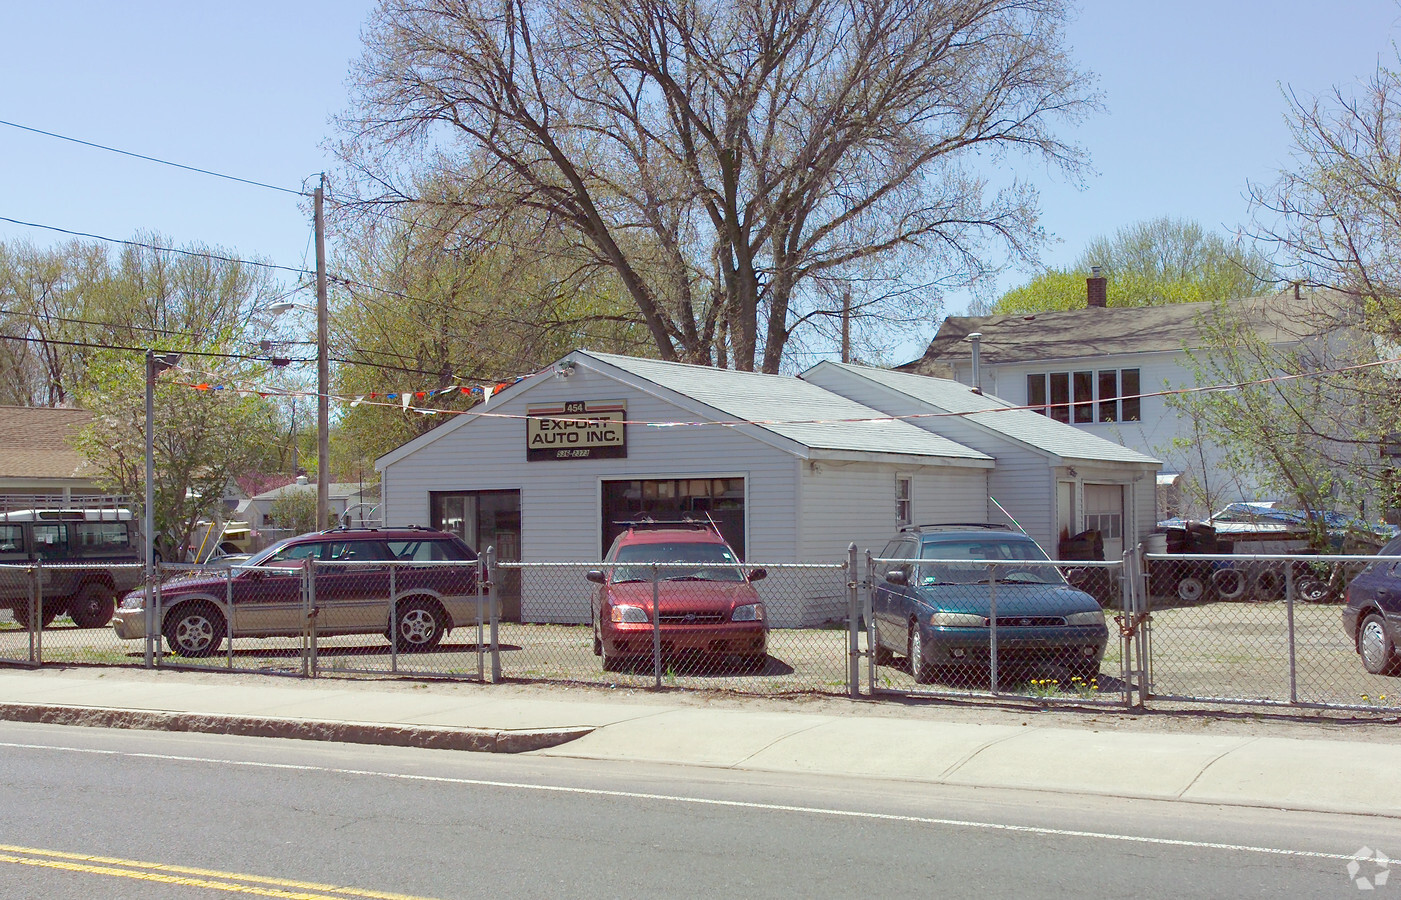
(493, 579)
(228, 615)
(1289, 611)
(482, 597)
(1135, 584)
(393, 619)
(992, 627)
(853, 671)
(871, 644)
(34, 610)
(308, 616)
(656, 629)
(1140, 632)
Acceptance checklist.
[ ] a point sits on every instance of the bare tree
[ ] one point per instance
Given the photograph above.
(730, 161)
(1335, 216)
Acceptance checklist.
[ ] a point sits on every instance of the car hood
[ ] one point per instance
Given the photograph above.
(683, 596)
(1012, 599)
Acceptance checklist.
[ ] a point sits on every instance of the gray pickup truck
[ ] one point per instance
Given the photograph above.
(85, 558)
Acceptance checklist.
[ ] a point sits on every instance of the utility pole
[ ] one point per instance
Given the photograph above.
(323, 375)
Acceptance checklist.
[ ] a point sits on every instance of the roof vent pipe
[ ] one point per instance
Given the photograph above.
(1096, 289)
(976, 339)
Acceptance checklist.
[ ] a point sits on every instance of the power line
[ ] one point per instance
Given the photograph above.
(164, 162)
(91, 346)
(112, 240)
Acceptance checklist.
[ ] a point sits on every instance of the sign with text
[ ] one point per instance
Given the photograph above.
(576, 429)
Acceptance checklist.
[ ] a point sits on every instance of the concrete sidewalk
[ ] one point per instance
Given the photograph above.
(1288, 772)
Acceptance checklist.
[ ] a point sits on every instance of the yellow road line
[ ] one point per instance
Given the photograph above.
(184, 875)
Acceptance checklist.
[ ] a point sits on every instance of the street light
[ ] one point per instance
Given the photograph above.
(323, 409)
(154, 366)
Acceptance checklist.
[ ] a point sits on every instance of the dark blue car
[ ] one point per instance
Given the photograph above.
(1372, 616)
(936, 609)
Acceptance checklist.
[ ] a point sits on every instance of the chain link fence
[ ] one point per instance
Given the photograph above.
(55, 612)
(771, 628)
(1042, 630)
(1210, 629)
(1256, 629)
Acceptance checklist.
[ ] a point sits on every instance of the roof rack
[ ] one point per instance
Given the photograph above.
(340, 528)
(649, 522)
(956, 526)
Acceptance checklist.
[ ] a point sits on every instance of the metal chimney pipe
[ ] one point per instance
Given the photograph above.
(976, 339)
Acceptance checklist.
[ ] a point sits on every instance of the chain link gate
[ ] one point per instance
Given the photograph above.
(959, 628)
(1255, 629)
(755, 628)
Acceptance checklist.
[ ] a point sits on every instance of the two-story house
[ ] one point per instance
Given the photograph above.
(1108, 371)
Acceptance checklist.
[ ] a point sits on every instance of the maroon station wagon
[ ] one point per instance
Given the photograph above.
(427, 600)
(708, 604)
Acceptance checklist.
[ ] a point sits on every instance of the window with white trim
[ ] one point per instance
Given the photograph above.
(1086, 396)
(904, 506)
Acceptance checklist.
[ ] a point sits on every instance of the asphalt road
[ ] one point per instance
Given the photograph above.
(113, 814)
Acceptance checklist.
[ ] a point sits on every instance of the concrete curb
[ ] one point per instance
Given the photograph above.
(476, 740)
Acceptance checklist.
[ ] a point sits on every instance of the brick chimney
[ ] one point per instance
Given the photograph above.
(1096, 289)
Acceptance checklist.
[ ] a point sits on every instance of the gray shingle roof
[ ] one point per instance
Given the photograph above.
(1022, 425)
(1075, 333)
(791, 408)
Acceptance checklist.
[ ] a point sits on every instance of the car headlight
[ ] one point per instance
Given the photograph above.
(133, 601)
(957, 620)
(1093, 617)
(750, 612)
(631, 614)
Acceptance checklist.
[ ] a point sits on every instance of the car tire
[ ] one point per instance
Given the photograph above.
(1375, 647)
(1268, 586)
(21, 614)
(194, 630)
(611, 663)
(1229, 583)
(597, 640)
(420, 626)
(93, 606)
(754, 663)
(1312, 590)
(914, 655)
(1191, 589)
(1087, 671)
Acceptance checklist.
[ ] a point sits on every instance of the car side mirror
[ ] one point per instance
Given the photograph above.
(594, 575)
(897, 577)
(758, 575)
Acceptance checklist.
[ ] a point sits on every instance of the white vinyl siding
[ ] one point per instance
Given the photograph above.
(561, 501)
(852, 503)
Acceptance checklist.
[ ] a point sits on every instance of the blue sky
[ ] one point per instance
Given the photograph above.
(1192, 90)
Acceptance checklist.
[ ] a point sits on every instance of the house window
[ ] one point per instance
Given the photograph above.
(1060, 396)
(904, 512)
(1083, 398)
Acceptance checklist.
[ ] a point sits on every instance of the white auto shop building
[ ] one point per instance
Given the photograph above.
(790, 471)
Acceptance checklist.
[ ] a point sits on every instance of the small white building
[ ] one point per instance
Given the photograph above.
(791, 470)
(1053, 480)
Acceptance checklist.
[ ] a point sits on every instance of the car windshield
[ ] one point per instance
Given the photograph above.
(972, 562)
(676, 556)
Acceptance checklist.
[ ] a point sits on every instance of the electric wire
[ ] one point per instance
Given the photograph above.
(111, 240)
(163, 162)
